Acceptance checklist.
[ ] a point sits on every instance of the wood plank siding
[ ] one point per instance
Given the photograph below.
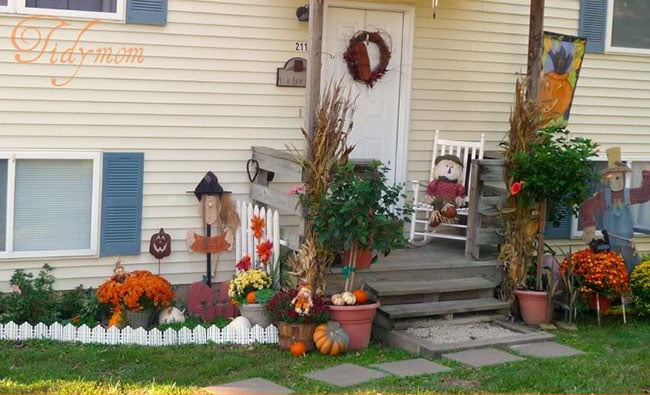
(205, 93)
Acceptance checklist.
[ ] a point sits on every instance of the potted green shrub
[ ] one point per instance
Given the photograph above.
(361, 210)
(547, 172)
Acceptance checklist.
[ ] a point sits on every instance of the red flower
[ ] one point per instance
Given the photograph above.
(257, 226)
(515, 188)
(244, 264)
(264, 251)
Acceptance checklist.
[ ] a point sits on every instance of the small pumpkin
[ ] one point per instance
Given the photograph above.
(331, 339)
(361, 295)
(349, 298)
(298, 348)
(337, 300)
(250, 297)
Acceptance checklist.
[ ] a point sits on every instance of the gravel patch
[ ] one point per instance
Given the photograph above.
(441, 333)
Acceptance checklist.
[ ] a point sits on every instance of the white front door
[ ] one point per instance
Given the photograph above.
(380, 120)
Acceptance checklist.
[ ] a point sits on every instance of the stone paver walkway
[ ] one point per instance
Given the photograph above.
(348, 374)
(251, 386)
(411, 367)
(482, 357)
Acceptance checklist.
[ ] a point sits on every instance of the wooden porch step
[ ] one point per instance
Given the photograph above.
(393, 288)
(402, 292)
(417, 310)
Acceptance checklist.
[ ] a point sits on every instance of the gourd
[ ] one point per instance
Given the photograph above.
(250, 297)
(361, 295)
(331, 339)
(349, 298)
(240, 323)
(337, 300)
(298, 348)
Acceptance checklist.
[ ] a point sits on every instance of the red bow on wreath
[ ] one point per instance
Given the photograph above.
(356, 57)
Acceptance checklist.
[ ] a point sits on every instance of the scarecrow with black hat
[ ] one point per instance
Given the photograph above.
(445, 191)
(217, 209)
(613, 204)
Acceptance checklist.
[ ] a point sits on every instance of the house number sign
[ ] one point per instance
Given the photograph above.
(293, 74)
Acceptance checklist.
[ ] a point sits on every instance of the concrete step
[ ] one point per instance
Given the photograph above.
(388, 315)
(402, 292)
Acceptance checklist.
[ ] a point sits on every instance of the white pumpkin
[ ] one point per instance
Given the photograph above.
(170, 314)
(337, 300)
(240, 323)
(349, 298)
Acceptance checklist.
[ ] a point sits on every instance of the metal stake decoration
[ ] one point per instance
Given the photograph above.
(217, 208)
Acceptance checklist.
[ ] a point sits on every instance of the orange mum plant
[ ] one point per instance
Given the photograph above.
(603, 272)
(137, 290)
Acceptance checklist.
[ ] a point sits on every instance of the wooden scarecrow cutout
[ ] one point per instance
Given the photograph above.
(613, 205)
(445, 192)
(217, 209)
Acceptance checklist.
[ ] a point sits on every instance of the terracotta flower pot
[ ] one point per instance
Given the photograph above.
(533, 306)
(356, 321)
(364, 258)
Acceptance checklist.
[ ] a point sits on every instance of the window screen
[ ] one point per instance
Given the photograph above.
(3, 204)
(631, 24)
(640, 212)
(53, 204)
(79, 5)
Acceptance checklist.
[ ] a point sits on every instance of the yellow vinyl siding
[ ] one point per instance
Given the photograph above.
(206, 92)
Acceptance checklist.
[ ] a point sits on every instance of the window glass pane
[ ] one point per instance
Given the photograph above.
(3, 203)
(631, 24)
(596, 187)
(52, 204)
(79, 5)
(640, 212)
(3, 2)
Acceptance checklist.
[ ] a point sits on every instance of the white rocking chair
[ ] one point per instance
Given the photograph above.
(421, 233)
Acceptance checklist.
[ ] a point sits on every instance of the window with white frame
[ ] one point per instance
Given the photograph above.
(596, 186)
(101, 9)
(640, 212)
(49, 204)
(628, 26)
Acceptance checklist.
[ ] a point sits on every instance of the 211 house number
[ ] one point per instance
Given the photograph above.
(301, 46)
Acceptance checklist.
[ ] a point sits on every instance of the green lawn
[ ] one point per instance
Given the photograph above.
(617, 360)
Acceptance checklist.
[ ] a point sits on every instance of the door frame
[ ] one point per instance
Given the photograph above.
(406, 70)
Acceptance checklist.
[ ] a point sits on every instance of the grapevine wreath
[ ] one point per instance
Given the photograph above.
(356, 57)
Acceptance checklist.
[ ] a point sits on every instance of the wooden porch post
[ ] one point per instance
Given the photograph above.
(535, 33)
(315, 47)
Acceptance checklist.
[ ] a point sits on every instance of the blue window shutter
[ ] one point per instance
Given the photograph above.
(593, 21)
(121, 225)
(148, 12)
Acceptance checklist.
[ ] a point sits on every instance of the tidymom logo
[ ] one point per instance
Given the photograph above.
(39, 38)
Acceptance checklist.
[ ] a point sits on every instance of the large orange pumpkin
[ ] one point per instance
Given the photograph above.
(298, 348)
(331, 339)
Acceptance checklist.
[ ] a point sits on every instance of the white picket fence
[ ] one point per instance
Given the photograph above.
(140, 336)
(245, 243)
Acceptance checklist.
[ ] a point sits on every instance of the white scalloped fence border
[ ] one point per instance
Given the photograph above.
(140, 336)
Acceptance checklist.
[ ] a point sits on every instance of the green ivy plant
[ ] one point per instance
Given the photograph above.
(33, 299)
(361, 210)
(556, 169)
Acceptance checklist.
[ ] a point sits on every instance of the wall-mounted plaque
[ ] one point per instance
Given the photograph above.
(293, 74)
